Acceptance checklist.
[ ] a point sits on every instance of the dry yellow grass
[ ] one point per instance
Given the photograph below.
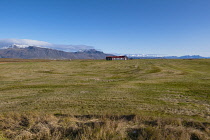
(84, 127)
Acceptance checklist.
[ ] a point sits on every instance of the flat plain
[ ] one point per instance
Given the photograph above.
(156, 90)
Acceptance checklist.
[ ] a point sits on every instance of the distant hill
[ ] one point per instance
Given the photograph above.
(33, 52)
(140, 56)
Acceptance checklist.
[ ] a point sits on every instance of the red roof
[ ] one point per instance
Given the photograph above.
(117, 56)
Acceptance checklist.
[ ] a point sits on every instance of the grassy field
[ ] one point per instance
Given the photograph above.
(154, 91)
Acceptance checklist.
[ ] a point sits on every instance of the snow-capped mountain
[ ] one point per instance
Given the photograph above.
(33, 52)
(161, 56)
(17, 46)
(144, 55)
(23, 43)
(33, 49)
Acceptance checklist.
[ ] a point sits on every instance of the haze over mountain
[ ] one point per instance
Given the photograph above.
(22, 43)
(33, 52)
(33, 49)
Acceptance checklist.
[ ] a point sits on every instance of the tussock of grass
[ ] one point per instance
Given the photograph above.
(82, 127)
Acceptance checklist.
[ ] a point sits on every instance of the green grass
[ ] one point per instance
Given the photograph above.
(156, 88)
(167, 87)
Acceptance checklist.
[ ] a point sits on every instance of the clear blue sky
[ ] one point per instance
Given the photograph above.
(170, 27)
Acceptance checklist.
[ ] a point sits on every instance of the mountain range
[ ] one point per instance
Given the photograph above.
(34, 49)
(156, 56)
(33, 52)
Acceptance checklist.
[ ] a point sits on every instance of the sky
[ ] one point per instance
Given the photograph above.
(165, 27)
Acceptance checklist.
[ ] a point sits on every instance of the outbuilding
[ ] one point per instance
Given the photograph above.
(116, 58)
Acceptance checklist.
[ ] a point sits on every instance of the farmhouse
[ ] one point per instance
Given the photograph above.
(116, 58)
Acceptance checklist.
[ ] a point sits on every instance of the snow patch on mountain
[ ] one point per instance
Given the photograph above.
(23, 43)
